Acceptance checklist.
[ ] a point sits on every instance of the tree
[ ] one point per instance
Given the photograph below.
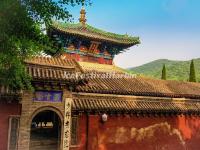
(192, 77)
(164, 73)
(21, 35)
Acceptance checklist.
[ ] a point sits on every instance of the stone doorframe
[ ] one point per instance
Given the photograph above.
(30, 109)
(50, 108)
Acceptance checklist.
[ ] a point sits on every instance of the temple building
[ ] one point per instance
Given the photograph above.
(82, 101)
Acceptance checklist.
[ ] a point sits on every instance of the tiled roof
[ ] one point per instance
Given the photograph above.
(51, 62)
(93, 67)
(8, 95)
(5, 90)
(94, 33)
(44, 68)
(124, 104)
(41, 68)
(141, 86)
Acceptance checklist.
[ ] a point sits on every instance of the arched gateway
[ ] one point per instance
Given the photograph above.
(45, 133)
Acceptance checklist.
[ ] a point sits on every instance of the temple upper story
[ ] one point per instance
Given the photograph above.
(85, 43)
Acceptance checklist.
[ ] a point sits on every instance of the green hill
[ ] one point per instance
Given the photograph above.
(176, 70)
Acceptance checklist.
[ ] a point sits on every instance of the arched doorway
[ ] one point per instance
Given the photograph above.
(45, 131)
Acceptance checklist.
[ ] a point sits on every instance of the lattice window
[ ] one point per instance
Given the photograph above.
(13, 132)
(74, 130)
(93, 46)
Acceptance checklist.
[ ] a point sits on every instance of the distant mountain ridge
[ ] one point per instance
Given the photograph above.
(176, 70)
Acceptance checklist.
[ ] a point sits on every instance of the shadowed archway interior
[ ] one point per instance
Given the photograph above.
(45, 131)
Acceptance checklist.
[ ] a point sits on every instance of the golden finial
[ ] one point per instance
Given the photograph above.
(82, 18)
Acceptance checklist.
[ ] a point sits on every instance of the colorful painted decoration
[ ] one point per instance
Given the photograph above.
(96, 51)
(83, 48)
(49, 96)
(106, 53)
(71, 47)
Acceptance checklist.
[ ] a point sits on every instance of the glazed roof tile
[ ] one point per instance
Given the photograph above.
(134, 85)
(93, 67)
(124, 104)
(51, 68)
(40, 68)
(94, 33)
(141, 86)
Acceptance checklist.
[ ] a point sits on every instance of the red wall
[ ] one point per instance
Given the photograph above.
(139, 133)
(5, 111)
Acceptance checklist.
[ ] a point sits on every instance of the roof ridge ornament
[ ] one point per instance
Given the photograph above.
(82, 18)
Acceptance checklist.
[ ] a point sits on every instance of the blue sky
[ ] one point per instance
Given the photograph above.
(168, 29)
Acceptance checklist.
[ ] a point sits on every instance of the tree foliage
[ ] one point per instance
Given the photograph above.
(21, 35)
(176, 70)
(192, 77)
(164, 73)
